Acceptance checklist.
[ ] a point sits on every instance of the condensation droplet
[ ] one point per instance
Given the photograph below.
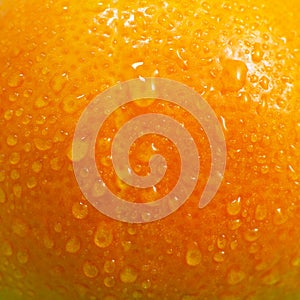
(80, 210)
(233, 75)
(14, 174)
(280, 217)
(264, 82)
(193, 255)
(146, 284)
(109, 281)
(128, 274)
(58, 82)
(233, 244)
(234, 207)
(17, 190)
(252, 235)
(20, 228)
(257, 53)
(234, 224)
(48, 242)
(15, 80)
(296, 261)
(36, 166)
(12, 140)
(2, 196)
(271, 277)
(23, 256)
(103, 236)
(31, 182)
(109, 266)
(73, 245)
(8, 114)
(260, 212)
(81, 150)
(219, 256)
(42, 145)
(90, 270)
(235, 276)
(254, 247)
(221, 242)
(14, 158)
(6, 248)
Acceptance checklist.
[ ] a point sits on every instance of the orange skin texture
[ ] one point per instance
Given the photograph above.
(242, 57)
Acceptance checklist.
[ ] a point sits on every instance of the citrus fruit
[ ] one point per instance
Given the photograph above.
(242, 57)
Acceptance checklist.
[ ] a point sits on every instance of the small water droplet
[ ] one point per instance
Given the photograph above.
(109, 281)
(221, 242)
(252, 235)
(42, 145)
(73, 245)
(257, 53)
(260, 212)
(234, 207)
(36, 166)
(2, 196)
(8, 114)
(6, 248)
(146, 284)
(79, 210)
(17, 190)
(12, 140)
(128, 274)
(109, 266)
(58, 82)
(233, 75)
(20, 228)
(264, 82)
(103, 236)
(56, 164)
(15, 80)
(14, 174)
(14, 158)
(193, 255)
(90, 270)
(235, 276)
(219, 256)
(234, 224)
(254, 247)
(48, 242)
(31, 182)
(233, 244)
(280, 217)
(23, 256)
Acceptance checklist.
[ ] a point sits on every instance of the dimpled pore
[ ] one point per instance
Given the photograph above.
(242, 57)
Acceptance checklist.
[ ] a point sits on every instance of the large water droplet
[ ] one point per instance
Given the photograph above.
(252, 235)
(14, 158)
(219, 256)
(15, 80)
(233, 75)
(12, 140)
(234, 207)
(257, 53)
(58, 82)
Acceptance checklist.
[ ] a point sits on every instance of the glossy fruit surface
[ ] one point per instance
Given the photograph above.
(242, 57)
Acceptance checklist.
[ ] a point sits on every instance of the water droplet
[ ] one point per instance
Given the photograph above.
(103, 236)
(81, 150)
(264, 82)
(12, 140)
(48, 242)
(20, 228)
(36, 166)
(235, 276)
(31, 182)
(8, 114)
(233, 244)
(146, 284)
(15, 80)
(126, 245)
(58, 82)
(14, 174)
(257, 53)
(2, 196)
(17, 190)
(99, 189)
(280, 217)
(233, 75)
(56, 164)
(58, 227)
(109, 266)
(254, 247)
(128, 275)
(271, 277)
(131, 230)
(254, 138)
(79, 210)
(90, 270)
(221, 242)
(296, 261)
(109, 281)
(260, 212)
(14, 158)
(193, 255)
(41, 102)
(219, 256)
(73, 245)
(42, 145)
(23, 256)
(234, 224)
(264, 169)
(234, 207)
(6, 248)
(252, 235)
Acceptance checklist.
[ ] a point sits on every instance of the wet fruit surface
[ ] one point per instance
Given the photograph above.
(242, 57)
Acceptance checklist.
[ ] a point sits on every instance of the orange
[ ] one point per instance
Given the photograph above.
(242, 57)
